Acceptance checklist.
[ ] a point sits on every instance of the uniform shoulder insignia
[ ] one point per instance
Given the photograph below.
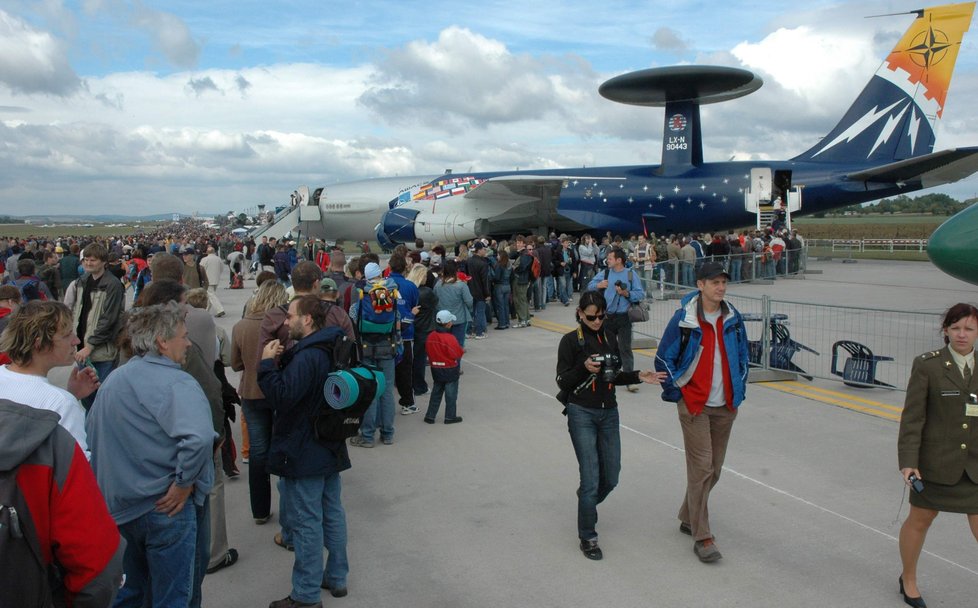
(930, 355)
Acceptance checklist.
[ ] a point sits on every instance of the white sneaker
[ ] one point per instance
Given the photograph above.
(409, 409)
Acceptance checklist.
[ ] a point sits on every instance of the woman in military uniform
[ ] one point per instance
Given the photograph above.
(938, 442)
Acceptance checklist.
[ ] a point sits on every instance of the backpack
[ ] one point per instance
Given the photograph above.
(377, 314)
(144, 278)
(534, 268)
(30, 290)
(349, 390)
(23, 573)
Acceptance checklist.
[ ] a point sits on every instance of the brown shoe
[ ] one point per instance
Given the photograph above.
(281, 543)
(707, 551)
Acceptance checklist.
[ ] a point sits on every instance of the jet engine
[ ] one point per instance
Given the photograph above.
(406, 225)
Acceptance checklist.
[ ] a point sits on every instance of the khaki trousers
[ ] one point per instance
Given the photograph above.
(705, 438)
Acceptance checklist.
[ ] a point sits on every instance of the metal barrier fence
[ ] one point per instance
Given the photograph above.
(866, 347)
(888, 245)
(672, 277)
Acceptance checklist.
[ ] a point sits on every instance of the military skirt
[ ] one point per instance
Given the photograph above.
(961, 497)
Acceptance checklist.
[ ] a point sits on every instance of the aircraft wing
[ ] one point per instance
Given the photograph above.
(526, 188)
(931, 170)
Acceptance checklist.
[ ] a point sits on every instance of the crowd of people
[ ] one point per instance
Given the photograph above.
(143, 426)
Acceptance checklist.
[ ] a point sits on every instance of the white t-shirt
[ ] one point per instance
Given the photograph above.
(718, 397)
(37, 392)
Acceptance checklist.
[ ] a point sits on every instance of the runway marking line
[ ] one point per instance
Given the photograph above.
(800, 390)
(745, 477)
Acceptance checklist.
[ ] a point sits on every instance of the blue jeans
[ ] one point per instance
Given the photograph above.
(735, 270)
(479, 314)
(259, 418)
(203, 556)
(458, 330)
(565, 283)
(551, 287)
(689, 274)
(102, 370)
(500, 301)
(420, 364)
(159, 559)
(317, 520)
(597, 444)
(450, 390)
(381, 411)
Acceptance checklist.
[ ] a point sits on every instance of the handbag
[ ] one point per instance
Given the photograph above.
(638, 312)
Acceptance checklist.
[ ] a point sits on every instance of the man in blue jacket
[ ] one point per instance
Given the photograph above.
(310, 469)
(707, 378)
(621, 286)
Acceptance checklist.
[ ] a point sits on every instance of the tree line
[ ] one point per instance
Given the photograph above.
(928, 204)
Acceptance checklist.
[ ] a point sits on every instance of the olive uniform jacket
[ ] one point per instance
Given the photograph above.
(936, 436)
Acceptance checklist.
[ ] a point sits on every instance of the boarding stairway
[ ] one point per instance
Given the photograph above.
(758, 199)
(285, 221)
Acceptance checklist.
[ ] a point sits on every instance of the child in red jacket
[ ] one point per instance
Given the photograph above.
(444, 352)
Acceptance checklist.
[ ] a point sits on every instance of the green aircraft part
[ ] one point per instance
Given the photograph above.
(954, 245)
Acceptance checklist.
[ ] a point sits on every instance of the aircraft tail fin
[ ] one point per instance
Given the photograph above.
(896, 115)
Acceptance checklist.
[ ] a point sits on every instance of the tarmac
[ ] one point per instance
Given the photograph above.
(483, 514)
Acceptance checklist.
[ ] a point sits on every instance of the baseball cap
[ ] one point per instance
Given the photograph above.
(371, 271)
(189, 251)
(711, 270)
(327, 284)
(478, 246)
(444, 317)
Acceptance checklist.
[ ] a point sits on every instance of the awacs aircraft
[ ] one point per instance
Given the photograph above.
(883, 146)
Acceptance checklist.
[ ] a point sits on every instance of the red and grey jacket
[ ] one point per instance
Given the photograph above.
(74, 528)
(444, 352)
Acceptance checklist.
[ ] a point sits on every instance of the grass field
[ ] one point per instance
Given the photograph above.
(868, 227)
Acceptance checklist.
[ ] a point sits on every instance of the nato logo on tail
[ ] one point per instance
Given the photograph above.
(896, 115)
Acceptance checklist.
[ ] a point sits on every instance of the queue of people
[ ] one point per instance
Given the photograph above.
(150, 375)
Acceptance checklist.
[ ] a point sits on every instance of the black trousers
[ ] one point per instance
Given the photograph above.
(404, 375)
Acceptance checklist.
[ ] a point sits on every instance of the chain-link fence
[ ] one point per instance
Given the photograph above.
(860, 346)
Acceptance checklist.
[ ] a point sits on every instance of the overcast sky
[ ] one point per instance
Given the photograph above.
(111, 106)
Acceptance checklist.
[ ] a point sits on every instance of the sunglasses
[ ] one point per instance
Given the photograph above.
(597, 317)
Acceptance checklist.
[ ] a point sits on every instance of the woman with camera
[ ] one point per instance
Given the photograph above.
(938, 442)
(588, 369)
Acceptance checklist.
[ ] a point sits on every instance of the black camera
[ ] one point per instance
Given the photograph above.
(915, 483)
(610, 366)
(621, 284)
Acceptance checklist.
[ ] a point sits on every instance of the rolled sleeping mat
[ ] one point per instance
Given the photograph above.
(343, 388)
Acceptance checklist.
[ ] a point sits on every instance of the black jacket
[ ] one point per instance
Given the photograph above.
(479, 283)
(572, 375)
(295, 392)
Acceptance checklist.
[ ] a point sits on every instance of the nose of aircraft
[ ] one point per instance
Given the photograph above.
(954, 245)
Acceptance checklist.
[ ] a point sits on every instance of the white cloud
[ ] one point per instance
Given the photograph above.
(33, 61)
(461, 79)
(169, 34)
(797, 59)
